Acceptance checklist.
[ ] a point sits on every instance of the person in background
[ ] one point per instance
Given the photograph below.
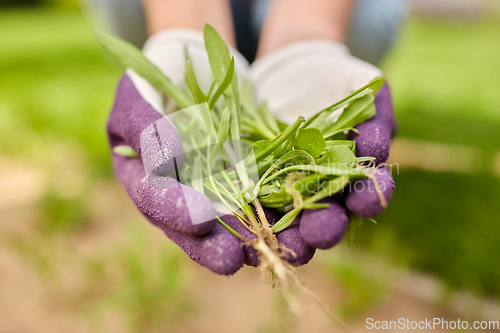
(368, 27)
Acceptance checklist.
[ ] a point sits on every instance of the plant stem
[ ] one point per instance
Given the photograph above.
(333, 186)
(377, 81)
(263, 153)
(317, 168)
(287, 219)
(232, 231)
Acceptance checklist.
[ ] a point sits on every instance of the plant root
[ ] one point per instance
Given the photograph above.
(273, 264)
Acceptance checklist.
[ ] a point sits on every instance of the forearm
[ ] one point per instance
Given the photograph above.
(191, 14)
(294, 20)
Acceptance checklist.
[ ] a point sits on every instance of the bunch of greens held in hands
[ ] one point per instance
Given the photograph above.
(297, 164)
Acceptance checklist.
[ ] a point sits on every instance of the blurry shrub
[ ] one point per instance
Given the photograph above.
(60, 213)
(67, 4)
(447, 68)
(143, 284)
(20, 3)
(282, 319)
(56, 86)
(37, 252)
(443, 77)
(448, 224)
(364, 279)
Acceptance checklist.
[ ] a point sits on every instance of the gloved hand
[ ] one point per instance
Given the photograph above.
(303, 78)
(137, 106)
(161, 199)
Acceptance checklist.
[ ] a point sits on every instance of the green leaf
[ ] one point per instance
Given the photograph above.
(246, 94)
(338, 155)
(126, 151)
(282, 137)
(258, 145)
(130, 56)
(347, 143)
(259, 121)
(321, 116)
(351, 144)
(218, 53)
(286, 220)
(316, 206)
(269, 119)
(356, 113)
(277, 199)
(365, 159)
(224, 84)
(198, 95)
(211, 89)
(322, 120)
(291, 156)
(304, 185)
(285, 147)
(197, 175)
(254, 127)
(329, 132)
(329, 188)
(269, 188)
(321, 169)
(224, 125)
(232, 99)
(310, 140)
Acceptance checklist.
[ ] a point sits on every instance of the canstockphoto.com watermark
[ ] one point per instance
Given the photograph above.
(431, 324)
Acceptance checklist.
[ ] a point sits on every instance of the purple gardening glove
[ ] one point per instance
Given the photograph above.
(207, 243)
(185, 215)
(299, 80)
(165, 202)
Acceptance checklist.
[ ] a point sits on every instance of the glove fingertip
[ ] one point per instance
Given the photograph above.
(324, 228)
(219, 251)
(362, 197)
(222, 252)
(373, 140)
(385, 108)
(292, 239)
(251, 255)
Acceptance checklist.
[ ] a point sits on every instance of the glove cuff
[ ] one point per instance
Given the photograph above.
(193, 40)
(166, 49)
(307, 76)
(294, 52)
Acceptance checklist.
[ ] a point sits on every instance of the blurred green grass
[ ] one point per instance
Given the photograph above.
(446, 224)
(57, 87)
(444, 77)
(448, 68)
